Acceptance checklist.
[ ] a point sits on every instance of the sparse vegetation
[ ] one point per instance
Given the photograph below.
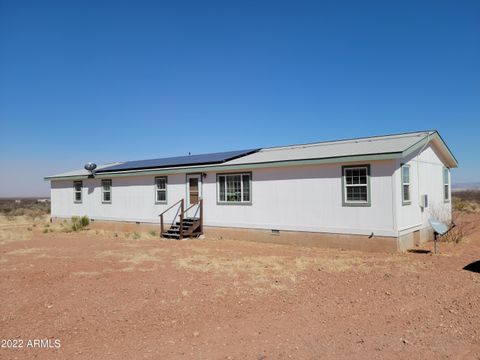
(470, 195)
(234, 278)
(153, 232)
(455, 235)
(464, 205)
(467, 201)
(28, 208)
(79, 223)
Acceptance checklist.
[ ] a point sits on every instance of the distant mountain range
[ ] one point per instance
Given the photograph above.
(466, 186)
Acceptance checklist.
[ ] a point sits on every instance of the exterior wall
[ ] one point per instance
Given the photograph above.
(426, 177)
(133, 199)
(306, 198)
(302, 198)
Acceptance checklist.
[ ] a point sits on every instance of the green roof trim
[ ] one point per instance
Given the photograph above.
(429, 136)
(191, 169)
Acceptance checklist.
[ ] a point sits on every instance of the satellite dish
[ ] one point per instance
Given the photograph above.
(91, 167)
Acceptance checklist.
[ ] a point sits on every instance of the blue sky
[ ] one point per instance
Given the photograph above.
(120, 80)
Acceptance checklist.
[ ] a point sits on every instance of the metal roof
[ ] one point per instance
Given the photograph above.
(202, 159)
(387, 146)
(83, 172)
(331, 149)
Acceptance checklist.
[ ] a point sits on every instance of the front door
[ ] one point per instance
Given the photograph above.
(194, 193)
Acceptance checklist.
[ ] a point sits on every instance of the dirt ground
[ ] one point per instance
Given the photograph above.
(105, 295)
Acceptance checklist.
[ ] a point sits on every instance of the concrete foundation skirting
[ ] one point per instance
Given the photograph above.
(121, 226)
(415, 238)
(326, 240)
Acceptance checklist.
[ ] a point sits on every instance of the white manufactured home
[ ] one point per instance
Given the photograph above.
(375, 193)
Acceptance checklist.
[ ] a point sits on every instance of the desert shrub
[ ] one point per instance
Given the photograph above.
(85, 221)
(33, 214)
(19, 212)
(153, 232)
(27, 207)
(455, 235)
(464, 205)
(45, 230)
(470, 195)
(136, 235)
(10, 216)
(79, 223)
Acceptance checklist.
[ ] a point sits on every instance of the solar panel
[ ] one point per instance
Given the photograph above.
(201, 159)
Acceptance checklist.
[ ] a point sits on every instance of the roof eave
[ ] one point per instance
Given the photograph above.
(233, 167)
(434, 136)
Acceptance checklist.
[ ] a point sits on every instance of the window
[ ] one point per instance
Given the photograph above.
(406, 185)
(161, 189)
(234, 188)
(356, 185)
(446, 184)
(106, 191)
(77, 191)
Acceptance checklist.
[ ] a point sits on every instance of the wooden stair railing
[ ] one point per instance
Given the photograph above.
(186, 226)
(182, 205)
(200, 218)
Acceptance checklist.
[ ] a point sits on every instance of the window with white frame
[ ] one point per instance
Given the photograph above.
(446, 184)
(77, 191)
(234, 188)
(106, 191)
(406, 184)
(356, 185)
(161, 189)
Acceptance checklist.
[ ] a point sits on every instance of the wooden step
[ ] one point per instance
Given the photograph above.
(170, 235)
(189, 229)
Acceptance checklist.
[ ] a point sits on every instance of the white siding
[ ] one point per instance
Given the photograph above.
(133, 198)
(302, 198)
(307, 198)
(426, 177)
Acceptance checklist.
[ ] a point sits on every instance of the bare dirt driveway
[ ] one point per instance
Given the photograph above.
(103, 295)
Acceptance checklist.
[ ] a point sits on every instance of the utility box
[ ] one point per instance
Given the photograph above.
(424, 201)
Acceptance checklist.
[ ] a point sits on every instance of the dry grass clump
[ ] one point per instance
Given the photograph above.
(134, 256)
(256, 266)
(453, 236)
(28, 251)
(18, 229)
(75, 224)
(464, 205)
(470, 195)
(266, 268)
(9, 235)
(79, 223)
(266, 273)
(28, 208)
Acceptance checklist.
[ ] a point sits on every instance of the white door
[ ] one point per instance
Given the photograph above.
(194, 193)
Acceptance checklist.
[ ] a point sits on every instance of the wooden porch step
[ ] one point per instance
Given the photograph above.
(187, 227)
